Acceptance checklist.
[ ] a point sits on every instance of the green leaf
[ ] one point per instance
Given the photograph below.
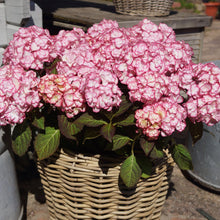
(54, 71)
(108, 131)
(91, 133)
(196, 130)
(156, 153)
(130, 171)
(108, 114)
(124, 106)
(146, 146)
(46, 144)
(69, 127)
(126, 122)
(145, 165)
(120, 141)
(21, 138)
(89, 121)
(39, 122)
(182, 157)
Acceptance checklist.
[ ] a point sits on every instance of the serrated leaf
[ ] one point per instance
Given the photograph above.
(46, 144)
(182, 157)
(89, 121)
(68, 127)
(39, 123)
(120, 141)
(21, 138)
(146, 146)
(145, 165)
(196, 131)
(124, 106)
(91, 133)
(108, 131)
(130, 171)
(126, 122)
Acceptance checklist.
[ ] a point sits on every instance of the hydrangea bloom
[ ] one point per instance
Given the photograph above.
(150, 87)
(56, 90)
(152, 49)
(202, 82)
(18, 94)
(163, 117)
(108, 43)
(30, 48)
(76, 61)
(66, 40)
(97, 83)
(101, 91)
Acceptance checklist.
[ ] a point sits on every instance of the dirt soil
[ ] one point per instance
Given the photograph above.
(184, 198)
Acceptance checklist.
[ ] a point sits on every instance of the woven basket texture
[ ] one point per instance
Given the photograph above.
(81, 186)
(144, 7)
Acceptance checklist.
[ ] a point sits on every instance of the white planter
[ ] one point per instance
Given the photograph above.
(10, 204)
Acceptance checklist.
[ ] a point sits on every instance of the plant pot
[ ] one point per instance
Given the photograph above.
(80, 186)
(212, 8)
(144, 7)
(10, 204)
(205, 157)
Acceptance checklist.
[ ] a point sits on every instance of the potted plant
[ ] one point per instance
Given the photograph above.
(101, 110)
(212, 7)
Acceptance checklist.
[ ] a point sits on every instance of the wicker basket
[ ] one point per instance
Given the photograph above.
(144, 7)
(77, 188)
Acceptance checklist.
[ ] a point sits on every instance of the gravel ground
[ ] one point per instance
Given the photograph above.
(184, 197)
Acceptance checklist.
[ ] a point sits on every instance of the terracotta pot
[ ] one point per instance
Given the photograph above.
(212, 9)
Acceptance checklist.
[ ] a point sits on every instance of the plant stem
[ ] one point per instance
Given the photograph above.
(133, 144)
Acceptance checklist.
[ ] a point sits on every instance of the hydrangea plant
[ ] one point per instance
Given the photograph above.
(126, 90)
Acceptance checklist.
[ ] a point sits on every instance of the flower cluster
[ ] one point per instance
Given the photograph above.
(30, 48)
(75, 71)
(202, 83)
(56, 90)
(163, 117)
(18, 94)
(66, 40)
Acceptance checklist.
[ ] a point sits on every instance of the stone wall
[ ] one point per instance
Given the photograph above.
(15, 14)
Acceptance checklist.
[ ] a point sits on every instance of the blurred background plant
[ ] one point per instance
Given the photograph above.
(195, 6)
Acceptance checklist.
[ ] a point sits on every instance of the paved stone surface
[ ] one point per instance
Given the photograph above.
(184, 197)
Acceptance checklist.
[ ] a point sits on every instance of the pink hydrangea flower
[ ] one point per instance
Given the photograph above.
(18, 94)
(160, 56)
(66, 40)
(30, 48)
(108, 43)
(151, 87)
(102, 91)
(56, 90)
(202, 83)
(150, 32)
(98, 29)
(76, 61)
(161, 118)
